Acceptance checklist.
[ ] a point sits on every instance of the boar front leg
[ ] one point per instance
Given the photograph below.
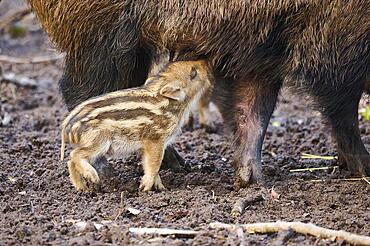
(153, 152)
(254, 103)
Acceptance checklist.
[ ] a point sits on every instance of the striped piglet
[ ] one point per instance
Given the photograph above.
(145, 118)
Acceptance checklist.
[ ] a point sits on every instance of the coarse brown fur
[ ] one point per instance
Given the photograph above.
(320, 47)
(124, 121)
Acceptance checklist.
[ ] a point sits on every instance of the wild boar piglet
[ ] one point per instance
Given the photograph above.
(145, 118)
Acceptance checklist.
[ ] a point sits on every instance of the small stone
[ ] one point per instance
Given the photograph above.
(133, 211)
(6, 119)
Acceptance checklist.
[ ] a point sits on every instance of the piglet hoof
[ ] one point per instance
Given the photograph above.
(158, 185)
(91, 175)
(81, 185)
(149, 182)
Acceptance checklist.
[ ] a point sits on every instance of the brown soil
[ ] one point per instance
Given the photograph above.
(38, 203)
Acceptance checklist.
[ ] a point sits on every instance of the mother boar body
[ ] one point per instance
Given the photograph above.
(321, 47)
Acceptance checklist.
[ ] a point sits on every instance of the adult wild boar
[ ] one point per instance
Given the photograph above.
(321, 46)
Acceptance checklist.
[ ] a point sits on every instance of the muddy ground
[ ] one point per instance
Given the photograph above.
(38, 204)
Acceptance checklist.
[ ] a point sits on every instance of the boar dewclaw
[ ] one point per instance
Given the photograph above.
(122, 122)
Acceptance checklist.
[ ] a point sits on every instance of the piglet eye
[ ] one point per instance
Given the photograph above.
(193, 73)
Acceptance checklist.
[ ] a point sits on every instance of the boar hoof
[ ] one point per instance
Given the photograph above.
(241, 182)
(247, 175)
(359, 165)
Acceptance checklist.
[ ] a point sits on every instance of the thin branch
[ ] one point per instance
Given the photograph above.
(345, 179)
(366, 180)
(310, 156)
(40, 59)
(311, 169)
(299, 227)
(162, 231)
(242, 203)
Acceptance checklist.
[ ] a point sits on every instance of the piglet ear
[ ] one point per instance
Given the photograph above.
(173, 92)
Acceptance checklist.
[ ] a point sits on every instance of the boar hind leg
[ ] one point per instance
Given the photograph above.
(254, 102)
(340, 107)
(153, 152)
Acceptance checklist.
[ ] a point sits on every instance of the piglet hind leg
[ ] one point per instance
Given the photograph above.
(254, 102)
(80, 159)
(77, 180)
(153, 152)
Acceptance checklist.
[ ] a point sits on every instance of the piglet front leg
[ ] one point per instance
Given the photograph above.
(153, 152)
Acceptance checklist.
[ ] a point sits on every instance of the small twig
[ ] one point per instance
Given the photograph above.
(121, 207)
(162, 231)
(346, 179)
(311, 169)
(39, 59)
(299, 227)
(242, 203)
(18, 80)
(32, 208)
(309, 156)
(366, 180)
(13, 16)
